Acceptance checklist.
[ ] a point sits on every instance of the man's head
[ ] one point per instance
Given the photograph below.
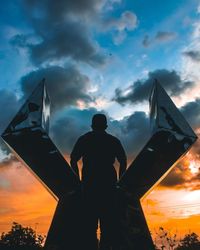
(99, 122)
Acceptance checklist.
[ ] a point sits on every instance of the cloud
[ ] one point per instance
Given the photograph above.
(119, 38)
(133, 131)
(9, 102)
(159, 37)
(8, 160)
(128, 21)
(140, 89)
(198, 9)
(146, 41)
(182, 176)
(196, 182)
(9, 105)
(164, 36)
(177, 177)
(66, 86)
(191, 111)
(24, 199)
(68, 40)
(193, 55)
(110, 4)
(63, 31)
(54, 10)
(19, 41)
(68, 126)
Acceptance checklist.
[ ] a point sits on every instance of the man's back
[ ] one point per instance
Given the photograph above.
(98, 150)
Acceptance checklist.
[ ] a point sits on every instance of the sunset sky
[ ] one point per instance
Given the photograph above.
(100, 56)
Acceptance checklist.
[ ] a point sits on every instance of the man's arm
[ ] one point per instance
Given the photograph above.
(75, 156)
(122, 159)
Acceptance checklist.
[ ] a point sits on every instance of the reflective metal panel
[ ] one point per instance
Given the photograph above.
(171, 139)
(27, 136)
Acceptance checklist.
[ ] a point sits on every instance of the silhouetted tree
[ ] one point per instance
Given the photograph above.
(166, 239)
(20, 237)
(189, 242)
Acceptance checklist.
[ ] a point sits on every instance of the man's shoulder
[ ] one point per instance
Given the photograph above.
(113, 138)
(85, 136)
(91, 134)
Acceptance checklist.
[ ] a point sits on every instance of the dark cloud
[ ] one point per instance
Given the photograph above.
(62, 31)
(66, 86)
(146, 41)
(133, 131)
(68, 40)
(57, 10)
(196, 181)
(140, 89)
(176, 178)
(160, 37)
(194, 55)
(191, 111)
(8, 161)
(19, 40)
(164, 36)
(9, 104)
(195, 150)
(181, 177)
(67, 127)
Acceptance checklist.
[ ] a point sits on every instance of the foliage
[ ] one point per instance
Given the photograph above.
(166, 239)
(25, 238)
(20, 237)
(190, 242)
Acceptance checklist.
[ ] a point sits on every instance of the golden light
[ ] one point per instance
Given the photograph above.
(25, 200)
(194, 167)
(192, 196)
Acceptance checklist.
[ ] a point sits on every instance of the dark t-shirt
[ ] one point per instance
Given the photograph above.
(98, 151)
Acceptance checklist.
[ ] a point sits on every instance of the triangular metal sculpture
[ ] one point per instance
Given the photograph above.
(34, 113)
(27, 134)
(171, 138)
(164, 115)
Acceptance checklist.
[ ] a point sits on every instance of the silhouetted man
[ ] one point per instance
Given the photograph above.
(98, 151)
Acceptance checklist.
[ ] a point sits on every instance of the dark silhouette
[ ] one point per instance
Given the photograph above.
(21, 238)
(81, 206)
(190, 241)
(98, 151)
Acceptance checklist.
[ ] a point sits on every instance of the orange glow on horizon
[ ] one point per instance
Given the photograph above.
(26, 201)
(176, 208)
